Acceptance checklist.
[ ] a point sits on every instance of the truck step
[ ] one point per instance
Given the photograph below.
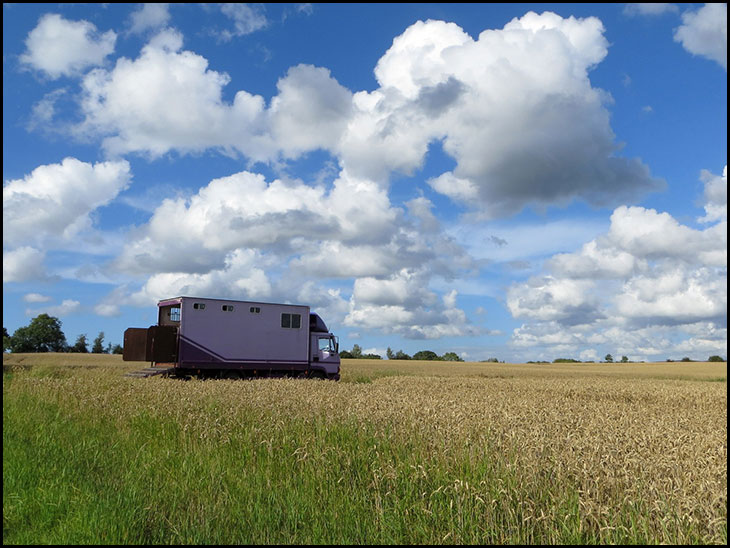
(149, 372)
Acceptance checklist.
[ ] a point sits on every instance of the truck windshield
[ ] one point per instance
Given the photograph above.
(326, 345)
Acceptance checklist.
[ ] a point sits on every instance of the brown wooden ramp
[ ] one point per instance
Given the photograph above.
(149, 372)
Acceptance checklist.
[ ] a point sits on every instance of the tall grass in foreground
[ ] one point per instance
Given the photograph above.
(92, 457)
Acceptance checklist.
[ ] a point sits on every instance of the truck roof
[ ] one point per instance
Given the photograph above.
(175, 300)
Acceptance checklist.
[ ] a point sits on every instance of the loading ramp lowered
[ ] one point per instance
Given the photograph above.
(150, 372)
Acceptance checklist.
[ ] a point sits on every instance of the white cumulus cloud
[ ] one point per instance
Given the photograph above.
(54, 203)
(704, 32)
(715, 196)
(515, 108)
(168, 99)
(648, 272)
(149, 16)
(59, 47)
(310, 112)
(657, 8)
(36, 298)
(24, 264)
(66, 308)
(247, 18)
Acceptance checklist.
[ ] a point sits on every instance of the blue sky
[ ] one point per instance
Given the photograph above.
(521, 182)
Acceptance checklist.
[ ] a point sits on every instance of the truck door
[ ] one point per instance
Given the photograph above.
(163, 343)
(325, 348)
(157, 343)
(314, 348)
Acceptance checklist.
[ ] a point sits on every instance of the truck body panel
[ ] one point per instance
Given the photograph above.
(216, 335)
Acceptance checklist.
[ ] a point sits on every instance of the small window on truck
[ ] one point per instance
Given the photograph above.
(199, 306)
(227, 308)
(291, 321)
(255, 310)
(174, 314)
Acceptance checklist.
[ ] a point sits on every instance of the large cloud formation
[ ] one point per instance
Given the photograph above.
(166, 100)
(52, 208)
(646, 275)
(250, 238)
(55, 201)
(515, 109)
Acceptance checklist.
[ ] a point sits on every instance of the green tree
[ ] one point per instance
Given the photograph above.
(624, 359)
(426, 355)
(356, 351)
(43, 334)
(715, 359)
(390, 354)
(452, 357)
(98, 347)
(116, 349)
(608, 358)
(400, 355)
(80, 345)
(7, 340)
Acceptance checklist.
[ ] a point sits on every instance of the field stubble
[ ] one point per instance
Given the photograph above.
(394, 453)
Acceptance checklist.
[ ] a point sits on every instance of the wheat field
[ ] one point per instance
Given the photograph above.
(394, 453)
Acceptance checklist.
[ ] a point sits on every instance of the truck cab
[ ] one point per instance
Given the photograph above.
(324, 347)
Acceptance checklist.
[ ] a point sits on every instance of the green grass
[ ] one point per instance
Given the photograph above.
(92, 458)
(79, 480)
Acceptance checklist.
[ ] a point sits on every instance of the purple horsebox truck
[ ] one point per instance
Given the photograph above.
(231, 339)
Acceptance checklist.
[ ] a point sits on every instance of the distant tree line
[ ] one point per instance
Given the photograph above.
(710, 359)
(625, 359)
(426, 355)
(44, 334)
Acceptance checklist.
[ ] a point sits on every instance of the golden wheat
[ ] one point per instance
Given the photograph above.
(658, 445)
